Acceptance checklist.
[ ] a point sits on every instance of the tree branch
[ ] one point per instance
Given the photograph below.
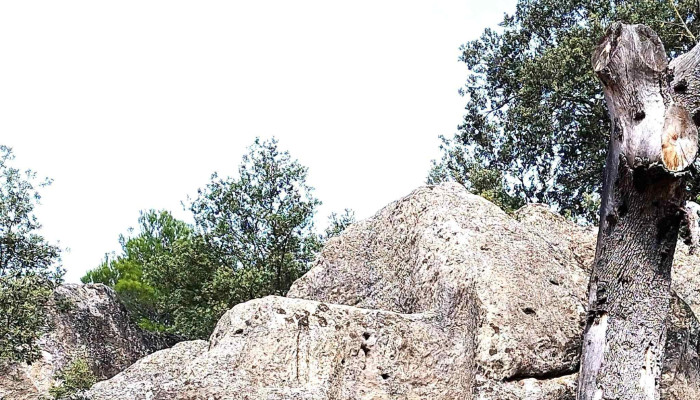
(682, 21)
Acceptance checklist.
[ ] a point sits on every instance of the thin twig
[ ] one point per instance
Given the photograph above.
(682, 20)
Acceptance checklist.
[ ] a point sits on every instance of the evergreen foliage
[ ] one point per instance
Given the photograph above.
(535, 112)
(29, 265)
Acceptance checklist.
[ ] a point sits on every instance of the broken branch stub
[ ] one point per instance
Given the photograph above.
(652, 124)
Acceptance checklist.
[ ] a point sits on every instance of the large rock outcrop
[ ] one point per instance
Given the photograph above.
(519, 299)
(441, 295)
(282, 348)
(88, 322)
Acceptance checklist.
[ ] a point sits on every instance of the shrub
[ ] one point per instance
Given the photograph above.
(75, 376)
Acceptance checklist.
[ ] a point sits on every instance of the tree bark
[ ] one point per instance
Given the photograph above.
(653, 143)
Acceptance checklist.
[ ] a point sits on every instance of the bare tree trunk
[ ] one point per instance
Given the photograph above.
(652, 144)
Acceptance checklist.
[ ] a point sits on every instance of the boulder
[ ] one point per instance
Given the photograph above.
(526, 275)
(151, 377)
(282, 348)
(441, 295)
(88, 322)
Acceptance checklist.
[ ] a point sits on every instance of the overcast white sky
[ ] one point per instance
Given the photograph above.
(131, 105)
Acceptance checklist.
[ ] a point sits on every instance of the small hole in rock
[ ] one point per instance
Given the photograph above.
(238, 331)
(364, 348)
(529, 311)
(366, 335)
(681, 86)
(385, 376)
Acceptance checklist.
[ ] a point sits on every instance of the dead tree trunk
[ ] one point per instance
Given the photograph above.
(652, 145)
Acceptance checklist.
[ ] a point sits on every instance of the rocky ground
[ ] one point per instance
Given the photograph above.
(441, 295)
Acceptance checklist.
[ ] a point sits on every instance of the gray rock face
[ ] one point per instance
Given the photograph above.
(517, 297)
(87, 322)
(573, 240)
(153, 376)
(441, 295)
(282, 348)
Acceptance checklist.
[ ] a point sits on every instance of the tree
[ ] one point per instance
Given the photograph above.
(192, 289)
(486, 182)
(652, 146)
(132, 274)
(167, 277)
(535, 111)
(29, 265)
(260, 224)
(125, 275)
(337, 223)
(107, 273)
(254, 236)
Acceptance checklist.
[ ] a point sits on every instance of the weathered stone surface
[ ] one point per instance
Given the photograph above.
(573, 240)
(444, 250)
(569, 240)
(515, 268)
(282, 348)
(87, 322)
(152, 375)
(473, 305)
(441, 295)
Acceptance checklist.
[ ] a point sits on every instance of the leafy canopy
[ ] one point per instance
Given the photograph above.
(337, 223)
(29, 266)
(254, 235)
(535, 119)
(260, 224)
(159, 232)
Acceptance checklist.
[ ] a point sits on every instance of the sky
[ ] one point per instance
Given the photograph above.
(132, 105)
